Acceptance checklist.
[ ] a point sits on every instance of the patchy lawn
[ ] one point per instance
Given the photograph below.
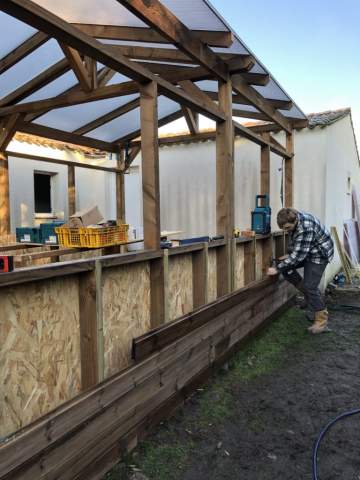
(259, 418)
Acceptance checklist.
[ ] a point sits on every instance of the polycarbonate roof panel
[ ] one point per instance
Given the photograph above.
(195, 14)
(130, 122)
(13, 33)
(271, 90)
(295, 112)
(71, 118)
(30, 66)
(57, 87)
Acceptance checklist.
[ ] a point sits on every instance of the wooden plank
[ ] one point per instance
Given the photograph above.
(195, 91)
(200, 263)
(265, 167)
(267, 254)
(71, 190)
(120, 188)
(289, 171)
(44, 78)
(150, 165)
(261, 79)
(139, 34)
(159, 280)
(78, 67)
(184, 249)
(162, 20)
(69, 163)
(4, 196)
(192, 120)
(20, 52)
(225, 188)
(8, 130)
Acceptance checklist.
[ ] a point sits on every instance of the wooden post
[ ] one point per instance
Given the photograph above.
(4, 196)
(120, 188)
(289, 172)
(225, 187)
(159, 291)
(200, 261)
(91, 328)
(71, 190)
(150, 165)
(265, 167)
(249, 262)
(267, 255)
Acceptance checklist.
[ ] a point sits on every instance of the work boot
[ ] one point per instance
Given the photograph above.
(320, 324)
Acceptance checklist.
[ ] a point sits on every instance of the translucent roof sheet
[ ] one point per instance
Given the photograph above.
(71, 118)
(30, 66)
(13, 33)
(57, 87)
(130, 122)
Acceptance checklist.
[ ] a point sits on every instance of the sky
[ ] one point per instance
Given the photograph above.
(311, 47)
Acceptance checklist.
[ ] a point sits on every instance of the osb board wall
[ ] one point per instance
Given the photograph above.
(180, 285)
(212, 276)
(39, 350)
(239, 266)
(126, 312)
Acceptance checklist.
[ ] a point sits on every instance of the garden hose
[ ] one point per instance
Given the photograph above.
(322, 434)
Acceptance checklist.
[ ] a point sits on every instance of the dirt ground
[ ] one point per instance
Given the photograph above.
(258, 419)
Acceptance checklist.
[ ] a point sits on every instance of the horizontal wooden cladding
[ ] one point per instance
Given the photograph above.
(163, 336)
(76, 438)
(138, 34)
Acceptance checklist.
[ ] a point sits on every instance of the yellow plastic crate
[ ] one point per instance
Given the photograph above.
(92, 237)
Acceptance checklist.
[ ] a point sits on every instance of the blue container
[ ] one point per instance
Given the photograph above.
(261, 216)
(47, 231)
(28, 235)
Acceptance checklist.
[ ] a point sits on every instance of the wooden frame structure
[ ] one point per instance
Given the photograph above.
(209, 72)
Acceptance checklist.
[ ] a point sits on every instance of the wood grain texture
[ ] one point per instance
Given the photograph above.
(71, 190)
(239, 266)
(265, 167)
(212, 275)
(180, 286)
(249, 262)
(40, 350)
(4, 197)
(126, 312)
(289, 171)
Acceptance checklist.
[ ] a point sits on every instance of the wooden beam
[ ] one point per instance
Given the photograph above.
(158, 17)
(120, 188)
(135, 150)
(238, 112)
(62, 136)
(289, 171)
(39, 158)
(71, 190)
(200, 262)
(150, 165)
(138, 34)
(239, 99)
(225, 188)
(4, 196)
(241, 87)
(98, 122)
(261, 79)
(40, 18)
(78, 67)
(195, 91)
(192, 120)
(44, 78)
(22, 51)
(265, 167)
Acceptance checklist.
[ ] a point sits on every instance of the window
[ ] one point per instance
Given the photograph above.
(42, 192)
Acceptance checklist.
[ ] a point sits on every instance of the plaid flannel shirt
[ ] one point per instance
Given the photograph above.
(309, 241)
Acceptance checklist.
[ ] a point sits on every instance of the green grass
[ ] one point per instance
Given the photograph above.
(165, 459)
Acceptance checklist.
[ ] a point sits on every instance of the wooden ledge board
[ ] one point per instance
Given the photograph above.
(244, 239)
(193, 247)
(126, 258)
(156, 339)
(217, 243)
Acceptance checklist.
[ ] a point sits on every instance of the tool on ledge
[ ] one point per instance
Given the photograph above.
(6, 263)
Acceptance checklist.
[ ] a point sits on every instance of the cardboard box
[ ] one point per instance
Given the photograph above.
(84, 218)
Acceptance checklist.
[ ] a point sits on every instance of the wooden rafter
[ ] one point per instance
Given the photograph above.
(62, 136)
(194, 90)
(22, 51)
(78, 67)
(38, 17)
(261, 79)
(117, 112)
(239, 99)
(44, 78)
(138, 34)
(162, 20)
(135, 150)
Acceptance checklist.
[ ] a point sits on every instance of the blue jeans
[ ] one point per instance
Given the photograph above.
(309, 285)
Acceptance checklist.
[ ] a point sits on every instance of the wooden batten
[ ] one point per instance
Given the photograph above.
(120, 188)
(289, 171)
(265, 167)
(225, 187)
(200, 262)
(4, 196)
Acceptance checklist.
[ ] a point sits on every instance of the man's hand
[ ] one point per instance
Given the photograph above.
(272, 271)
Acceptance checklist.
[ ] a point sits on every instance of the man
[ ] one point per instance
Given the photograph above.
(311, 248)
